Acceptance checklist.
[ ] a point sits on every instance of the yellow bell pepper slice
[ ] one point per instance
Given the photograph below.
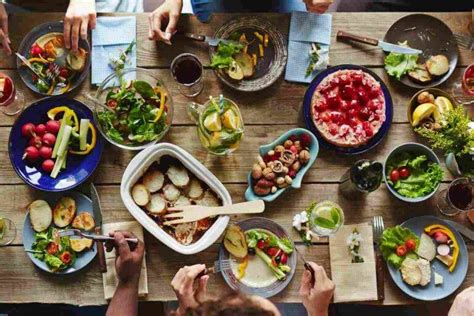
(259, 36)
(242, 268)
(37, 60)
(90, 146)
(66, 88)
(61, 109)
(265, 40)
(162, 105)
(432, 229)
(51, 88)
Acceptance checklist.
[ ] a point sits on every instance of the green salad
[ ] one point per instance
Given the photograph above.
(398, 65)
(413, 175)
(55, 251)
(397, 243)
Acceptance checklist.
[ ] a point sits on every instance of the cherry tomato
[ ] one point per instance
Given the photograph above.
(52, 248)
(36, 50)
(272, 251)
(394, 175)
(65, 257)
(401, 250)
(284, 258)
(404, 172)
(261, 244)
(410, 244)
(63, 72)
(111, 103)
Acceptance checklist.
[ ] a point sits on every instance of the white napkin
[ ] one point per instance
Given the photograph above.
(109, 278)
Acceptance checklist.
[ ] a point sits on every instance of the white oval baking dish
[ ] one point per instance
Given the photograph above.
(137, 167)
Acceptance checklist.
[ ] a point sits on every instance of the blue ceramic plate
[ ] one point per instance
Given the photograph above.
(374, 141)
(30, 39)
(296, 184)
(278, 286)
(452, 280)
(78, 169)
(83, 204)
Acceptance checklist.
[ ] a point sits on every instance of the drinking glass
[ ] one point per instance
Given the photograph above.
(326, 218)
(463, 92)
(11, 101)
(187, 72)
(458, 197)
(7, 231)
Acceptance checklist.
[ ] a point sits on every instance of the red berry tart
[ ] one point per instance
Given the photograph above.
(348, 108)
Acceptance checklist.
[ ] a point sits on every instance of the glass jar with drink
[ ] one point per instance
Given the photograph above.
(219, 124)
(361, 178)
(457, 198)
(11, 101)
(464, 92)
(326, 218)
(7, 231)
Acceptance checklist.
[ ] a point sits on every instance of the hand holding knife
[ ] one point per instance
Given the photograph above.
(98, 228)
(307, 266)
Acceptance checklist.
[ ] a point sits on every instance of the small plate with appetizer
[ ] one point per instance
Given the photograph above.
(282, 164)
(439, 51)
(426, 257)
(45, 50)
(254, 58)
(45, 217)
(348, 108)
(53, 144)
(261, 255)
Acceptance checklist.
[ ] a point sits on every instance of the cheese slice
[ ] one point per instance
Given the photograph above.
(438, 279)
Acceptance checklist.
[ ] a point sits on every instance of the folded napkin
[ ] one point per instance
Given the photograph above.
(307, 28)
(111, 36)
(354, 281)
(109, 278)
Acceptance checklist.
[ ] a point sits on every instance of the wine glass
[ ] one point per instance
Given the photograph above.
(458, 197)
(11, 101)
(187, 72)
(464, 92)
(7, 231)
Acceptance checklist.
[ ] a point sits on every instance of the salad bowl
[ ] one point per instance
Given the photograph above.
(416, 149)
(137, 168)
(296, 183)
(105, 115)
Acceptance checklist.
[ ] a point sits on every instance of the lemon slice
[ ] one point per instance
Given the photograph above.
(230, 120)
(422, 111)
(2, 228)
(213, 122)
(443, 106)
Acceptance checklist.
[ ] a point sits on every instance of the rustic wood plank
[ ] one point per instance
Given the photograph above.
(380, 202)
(151, 54)
(23, 283)
(281, 103)
(329, 167)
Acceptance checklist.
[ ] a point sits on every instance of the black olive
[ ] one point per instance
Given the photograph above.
(277, 259)
(251, 251)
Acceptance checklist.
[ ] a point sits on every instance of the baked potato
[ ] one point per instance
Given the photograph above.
(84, 221)
(140, 194)
(41, 215)
(64, 211)
(209, 199)
(153, 180)
(194, 190)
(171, 193)
(157, 205)
(80, 244)
(235, 242)
(437, 65)
(178, 176)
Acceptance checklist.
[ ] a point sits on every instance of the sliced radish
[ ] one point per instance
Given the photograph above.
(440, 237)
(443, 250)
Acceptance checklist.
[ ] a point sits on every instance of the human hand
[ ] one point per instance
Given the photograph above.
(317, 6)
(80, 16)
(170, 11)
(4, 38)
(183, 286)
(316, 298)
(463, 304)
(128, 263)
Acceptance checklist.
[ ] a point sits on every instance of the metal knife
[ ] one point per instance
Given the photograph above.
(28, 64)
(212, 41)
(388, 47)
(469, 233)
(307, 266)
(98, 227)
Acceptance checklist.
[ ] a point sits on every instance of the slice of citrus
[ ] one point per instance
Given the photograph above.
(422, 111)
(230, 120)
(213, 123)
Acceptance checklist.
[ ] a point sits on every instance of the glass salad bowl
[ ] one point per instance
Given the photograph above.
(133, 111)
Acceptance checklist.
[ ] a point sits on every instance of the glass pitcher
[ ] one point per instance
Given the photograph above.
(219, 124)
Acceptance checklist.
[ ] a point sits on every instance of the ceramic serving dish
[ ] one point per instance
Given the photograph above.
(418, 149)
(138, 166)
(296, 184)
(434, 91)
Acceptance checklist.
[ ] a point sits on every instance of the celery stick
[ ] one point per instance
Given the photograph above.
(64, 141)
(57, 166)
(63, 166)
(280, 275)
(83, 129)
(64, 123)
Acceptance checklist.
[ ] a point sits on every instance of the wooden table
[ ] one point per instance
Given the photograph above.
(266, 114)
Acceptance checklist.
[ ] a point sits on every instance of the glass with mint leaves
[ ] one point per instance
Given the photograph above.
(326, 218)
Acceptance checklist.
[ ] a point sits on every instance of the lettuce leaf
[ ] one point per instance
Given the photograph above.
(397, 65)
(53, 262)
(223, 56)
(391, 239)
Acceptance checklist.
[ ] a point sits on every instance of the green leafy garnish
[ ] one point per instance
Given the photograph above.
(399, 64)
(391, 239)
(222, 59)
(144, 88)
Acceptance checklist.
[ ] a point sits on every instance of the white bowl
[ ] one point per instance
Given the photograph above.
(138, 166)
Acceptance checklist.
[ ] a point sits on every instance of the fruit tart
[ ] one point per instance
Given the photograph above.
(348, 108)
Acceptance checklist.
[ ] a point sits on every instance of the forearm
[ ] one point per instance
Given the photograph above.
(125, 300)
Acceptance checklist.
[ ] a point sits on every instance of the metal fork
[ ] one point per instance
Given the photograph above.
(52, 72)
(464, 40)
(377, 229)
(218, 266)
(79, 233)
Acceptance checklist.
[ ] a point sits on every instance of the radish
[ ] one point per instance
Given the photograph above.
(40, 129)
(35, 141)
(440, 237)
(48, 165)
(28, 130)
(49, 139)
(52, 127)
(45, 152)
(31, 154)
(443, 250)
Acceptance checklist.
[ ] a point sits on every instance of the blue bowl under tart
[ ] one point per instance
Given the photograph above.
(79, 168)
(414, 148)
(296, 184)
(374, 141)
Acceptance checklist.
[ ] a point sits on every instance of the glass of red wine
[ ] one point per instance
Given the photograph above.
(187, 72)
(464, 92)
(11, 102)
(457, 198)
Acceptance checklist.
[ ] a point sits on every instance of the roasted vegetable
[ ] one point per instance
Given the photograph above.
(420, 74)
(64, 212)
(245, 62)
(157, 204)
(178, 175)
(140, 194)
(40, 214)
(81, 244)
(83, 221)
(153, 180)
(437, 65)
(234, 242)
